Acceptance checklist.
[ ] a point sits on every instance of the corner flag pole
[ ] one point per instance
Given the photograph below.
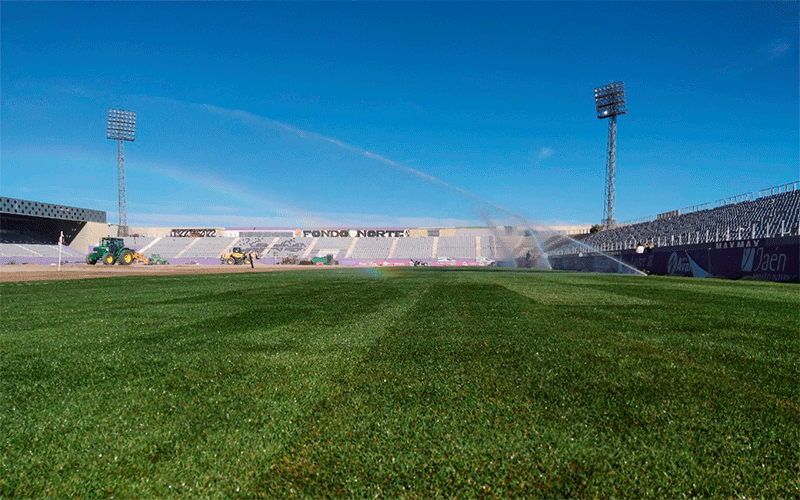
(60, 242)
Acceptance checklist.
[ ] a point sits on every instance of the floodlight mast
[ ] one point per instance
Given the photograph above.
(122, 127)
(610, 102)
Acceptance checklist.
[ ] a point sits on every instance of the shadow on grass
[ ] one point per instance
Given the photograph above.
(482, 392)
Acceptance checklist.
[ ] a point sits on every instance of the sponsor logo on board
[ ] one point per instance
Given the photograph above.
(678, 264)
(760, 260)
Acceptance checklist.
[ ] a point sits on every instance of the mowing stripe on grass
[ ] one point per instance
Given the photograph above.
(193, 405)
(482, 391)
(424, 383)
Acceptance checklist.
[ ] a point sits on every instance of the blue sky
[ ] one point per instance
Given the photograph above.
(395, 114)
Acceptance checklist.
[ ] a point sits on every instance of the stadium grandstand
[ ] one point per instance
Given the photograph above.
(768, 219)
(30, 231)
(770, 213)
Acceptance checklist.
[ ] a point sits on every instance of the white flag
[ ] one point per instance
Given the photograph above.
(60, 242)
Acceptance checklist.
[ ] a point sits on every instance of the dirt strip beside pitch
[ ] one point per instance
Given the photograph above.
(33, 272)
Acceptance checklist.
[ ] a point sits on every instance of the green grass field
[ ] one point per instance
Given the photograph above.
(415, 383)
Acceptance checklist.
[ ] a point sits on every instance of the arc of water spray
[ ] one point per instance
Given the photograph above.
(527, 225)
(250, 117)
(493, 228)
(478, 200)
(464, 192)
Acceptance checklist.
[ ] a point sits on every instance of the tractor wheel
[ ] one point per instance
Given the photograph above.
(125, 258)
(231, 261)
(90, 260)
(238, 261)
(109, 259)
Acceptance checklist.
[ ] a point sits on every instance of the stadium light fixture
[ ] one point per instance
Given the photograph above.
(610, 101)
(121, 127)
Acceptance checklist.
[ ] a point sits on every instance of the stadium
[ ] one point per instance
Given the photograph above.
(366, 372)
(753, 235)
(366, 256)
(502, 361)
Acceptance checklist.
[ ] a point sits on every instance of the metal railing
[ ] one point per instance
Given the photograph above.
(729, 233)
(730, 200)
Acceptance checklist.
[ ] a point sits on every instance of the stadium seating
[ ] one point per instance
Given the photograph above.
(289, 247)
(331, 245)
(766, 217)
(456, 247)
(372, 248)
(509, 246)
(37, 250)
(15, 244)
(256, 244)
(168, 248)
(137, 242)
(482, 232)
(487, 247)
(207, 248)
(775, 212)
(13, 237)
(414, 248)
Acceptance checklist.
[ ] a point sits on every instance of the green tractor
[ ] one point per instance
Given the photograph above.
(109, 251)
(156, 259)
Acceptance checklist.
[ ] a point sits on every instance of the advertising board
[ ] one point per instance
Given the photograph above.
(773, 259)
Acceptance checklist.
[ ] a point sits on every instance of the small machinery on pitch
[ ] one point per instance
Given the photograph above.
(237, 257)
(110, 251)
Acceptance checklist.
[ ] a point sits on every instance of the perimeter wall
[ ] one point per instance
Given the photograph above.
(773, 259)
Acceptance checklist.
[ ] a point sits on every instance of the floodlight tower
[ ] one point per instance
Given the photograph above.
(610, 102)
(122, 127)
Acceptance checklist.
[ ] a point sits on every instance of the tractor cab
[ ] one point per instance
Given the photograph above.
(112, 244)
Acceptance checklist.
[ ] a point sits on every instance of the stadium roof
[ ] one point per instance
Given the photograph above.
(14, 206)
